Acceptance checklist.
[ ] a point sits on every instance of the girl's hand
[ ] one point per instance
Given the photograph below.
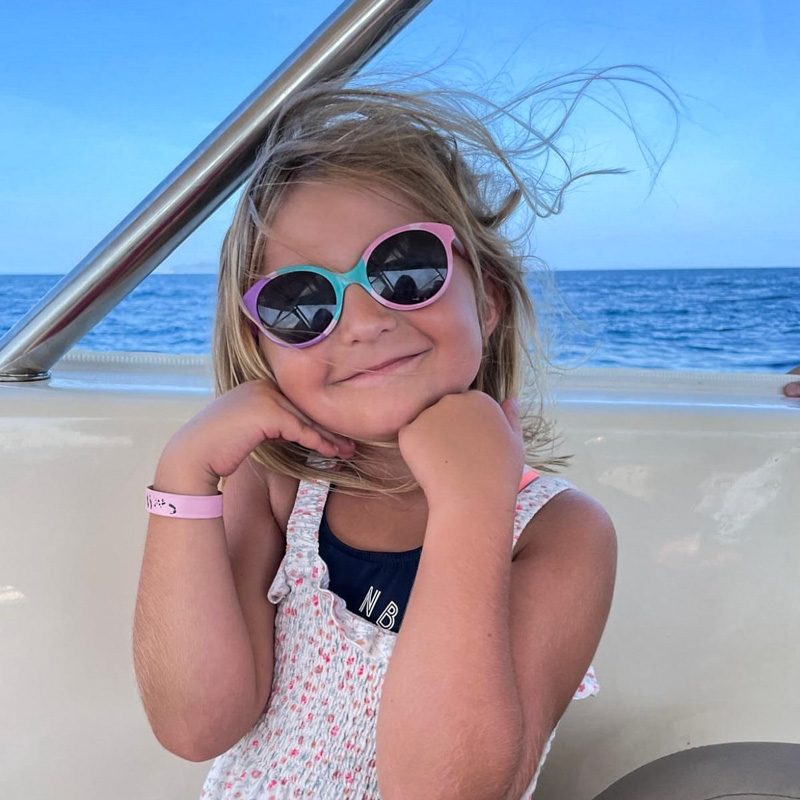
(222, 435)
(465, 446)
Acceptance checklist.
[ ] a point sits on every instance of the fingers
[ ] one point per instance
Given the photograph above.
(510, 407)
(342, 446)
(301, 429)
(792, 389)
(310, 435)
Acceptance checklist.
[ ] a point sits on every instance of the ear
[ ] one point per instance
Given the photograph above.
(494, 306)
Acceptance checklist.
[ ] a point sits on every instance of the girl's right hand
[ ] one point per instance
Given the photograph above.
(224, 433)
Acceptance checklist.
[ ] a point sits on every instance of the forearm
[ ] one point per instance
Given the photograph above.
(192, 653)
(450, 723)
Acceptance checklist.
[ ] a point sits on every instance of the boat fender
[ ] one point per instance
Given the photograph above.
(755, 770)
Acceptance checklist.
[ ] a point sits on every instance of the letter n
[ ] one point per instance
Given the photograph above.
(370, 600)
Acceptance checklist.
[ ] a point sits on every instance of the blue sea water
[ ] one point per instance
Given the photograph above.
(735, 320)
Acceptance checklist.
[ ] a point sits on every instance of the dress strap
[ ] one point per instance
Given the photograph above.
(300, 560)
(534, 492)
(528, 475)
(306, 513)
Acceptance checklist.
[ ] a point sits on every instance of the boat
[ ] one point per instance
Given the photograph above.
(699, 471)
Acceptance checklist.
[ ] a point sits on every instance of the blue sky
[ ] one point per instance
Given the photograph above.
(100, 101)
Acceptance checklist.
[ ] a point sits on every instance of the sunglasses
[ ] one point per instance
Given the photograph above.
(405, 268)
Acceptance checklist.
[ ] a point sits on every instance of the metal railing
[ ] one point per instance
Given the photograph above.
(346, 41)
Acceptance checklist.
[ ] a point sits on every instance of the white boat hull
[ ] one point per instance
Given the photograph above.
(700, 472)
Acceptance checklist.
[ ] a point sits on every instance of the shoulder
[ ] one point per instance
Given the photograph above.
(282, 495)
(253, 491)
(569, 521)
(566, 569)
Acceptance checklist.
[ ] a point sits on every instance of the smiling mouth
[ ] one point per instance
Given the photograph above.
(384, 369)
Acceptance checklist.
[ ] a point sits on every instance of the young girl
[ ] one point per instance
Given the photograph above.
(389, 603)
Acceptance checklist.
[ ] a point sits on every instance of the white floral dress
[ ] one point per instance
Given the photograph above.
(316, 738)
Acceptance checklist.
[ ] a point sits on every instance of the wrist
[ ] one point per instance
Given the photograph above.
(183, 506)
(470, 535)
(178, 475)
(482, 510)
(478, 494)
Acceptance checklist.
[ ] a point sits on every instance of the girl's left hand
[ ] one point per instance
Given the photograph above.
(464, 446)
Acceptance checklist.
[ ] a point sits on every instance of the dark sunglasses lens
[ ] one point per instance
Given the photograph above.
(408, 268)
(297, 307)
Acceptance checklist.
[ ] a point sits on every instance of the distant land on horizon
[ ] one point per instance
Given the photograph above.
(196, 268)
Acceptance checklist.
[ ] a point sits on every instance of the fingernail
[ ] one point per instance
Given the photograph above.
(515, 404)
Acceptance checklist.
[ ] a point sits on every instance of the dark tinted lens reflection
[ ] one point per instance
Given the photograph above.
(297, 307)
(408, 268)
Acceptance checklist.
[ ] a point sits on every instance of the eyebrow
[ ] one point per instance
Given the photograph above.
(311, 263)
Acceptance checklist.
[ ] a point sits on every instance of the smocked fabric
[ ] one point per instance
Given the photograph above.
(316, 738)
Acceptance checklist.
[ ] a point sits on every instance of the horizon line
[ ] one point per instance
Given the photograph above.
(179, 273)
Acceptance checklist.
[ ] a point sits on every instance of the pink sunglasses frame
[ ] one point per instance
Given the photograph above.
(357, 275)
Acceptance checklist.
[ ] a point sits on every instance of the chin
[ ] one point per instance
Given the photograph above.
(380, 426)
(378, 416)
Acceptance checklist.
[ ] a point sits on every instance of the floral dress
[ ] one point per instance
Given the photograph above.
(316, 737)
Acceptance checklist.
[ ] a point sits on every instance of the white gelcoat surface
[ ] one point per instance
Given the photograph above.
(700, 472)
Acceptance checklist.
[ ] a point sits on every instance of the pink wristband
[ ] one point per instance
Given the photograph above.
(184, 506)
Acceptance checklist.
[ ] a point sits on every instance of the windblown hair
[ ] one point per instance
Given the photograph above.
(438, 150)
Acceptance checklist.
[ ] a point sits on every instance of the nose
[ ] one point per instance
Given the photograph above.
(363, 318)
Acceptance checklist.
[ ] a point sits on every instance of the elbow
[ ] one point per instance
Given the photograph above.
(196, 740)
(192, 748)
(512, 783)
(199, 729)
(189, 751)
(517, 785)
(491, 776)
(521, 776)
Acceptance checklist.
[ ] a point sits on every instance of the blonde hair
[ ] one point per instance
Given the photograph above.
(433, 148)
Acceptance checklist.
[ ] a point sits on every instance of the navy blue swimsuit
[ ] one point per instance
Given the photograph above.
(374, 585)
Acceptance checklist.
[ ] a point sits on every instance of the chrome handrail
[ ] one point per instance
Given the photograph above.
(347, 40)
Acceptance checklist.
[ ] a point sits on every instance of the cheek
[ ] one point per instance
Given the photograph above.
(466, 360)
(290, 371)
(461, 330)
(301, 376)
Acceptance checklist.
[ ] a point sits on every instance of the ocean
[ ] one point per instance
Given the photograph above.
(730, 320)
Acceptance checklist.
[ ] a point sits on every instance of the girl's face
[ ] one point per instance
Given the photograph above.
(432, 351)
